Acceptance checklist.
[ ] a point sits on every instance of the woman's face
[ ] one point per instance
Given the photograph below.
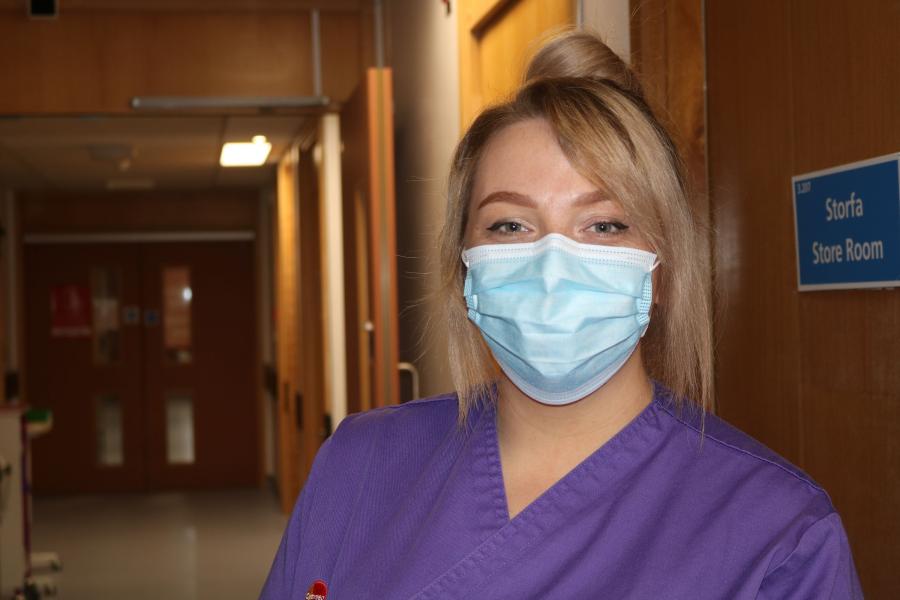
(525, 188)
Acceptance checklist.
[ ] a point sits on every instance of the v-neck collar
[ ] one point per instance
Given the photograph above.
(559, 503)
(491, 441)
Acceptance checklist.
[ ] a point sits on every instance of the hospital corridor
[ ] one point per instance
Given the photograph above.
(347, 299)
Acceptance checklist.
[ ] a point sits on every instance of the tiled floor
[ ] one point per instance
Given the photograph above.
(173, 546)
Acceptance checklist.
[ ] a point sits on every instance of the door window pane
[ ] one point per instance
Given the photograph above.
(108, 414)
(179, 429)
(177, 298)
(106, 284)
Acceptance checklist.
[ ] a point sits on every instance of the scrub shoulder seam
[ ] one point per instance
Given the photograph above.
(794, 471)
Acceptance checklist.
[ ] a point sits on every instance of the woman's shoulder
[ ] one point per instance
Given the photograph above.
(397, 429)
(745, 490)
(434, 412)
(371, 459)
(723, 455)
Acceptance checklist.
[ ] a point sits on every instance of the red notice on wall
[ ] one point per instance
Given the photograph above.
(70, 311)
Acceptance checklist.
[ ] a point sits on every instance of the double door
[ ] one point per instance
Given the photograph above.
(145, 355)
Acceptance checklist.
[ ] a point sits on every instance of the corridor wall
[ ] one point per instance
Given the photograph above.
(423, 55)
(97, 55)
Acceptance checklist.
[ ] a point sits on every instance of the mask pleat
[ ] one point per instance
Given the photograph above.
(560, 317)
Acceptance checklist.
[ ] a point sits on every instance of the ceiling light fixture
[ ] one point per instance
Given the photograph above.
(243, 154)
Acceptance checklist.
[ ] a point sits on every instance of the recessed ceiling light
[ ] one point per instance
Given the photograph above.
(244, 154)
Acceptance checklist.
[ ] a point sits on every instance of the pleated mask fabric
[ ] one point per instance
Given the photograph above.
(560, 317)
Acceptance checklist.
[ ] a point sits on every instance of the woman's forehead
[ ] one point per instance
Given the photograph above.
(525, 158)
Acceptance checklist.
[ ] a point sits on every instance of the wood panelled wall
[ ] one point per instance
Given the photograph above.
(496, 39)
(101, 211)
(795, 87)
(667, 53)
(95, 61)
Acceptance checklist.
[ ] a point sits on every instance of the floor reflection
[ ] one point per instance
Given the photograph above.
(170, 545)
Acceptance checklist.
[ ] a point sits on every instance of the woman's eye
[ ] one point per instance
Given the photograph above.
(507, 227)
(608, 227)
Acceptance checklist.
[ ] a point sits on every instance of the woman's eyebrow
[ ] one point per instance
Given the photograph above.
(590, 198)
(584, 199)
(511, 197)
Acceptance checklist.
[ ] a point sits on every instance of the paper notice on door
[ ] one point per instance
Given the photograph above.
(70, 311)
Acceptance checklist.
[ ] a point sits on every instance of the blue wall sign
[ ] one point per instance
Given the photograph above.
(847, 223)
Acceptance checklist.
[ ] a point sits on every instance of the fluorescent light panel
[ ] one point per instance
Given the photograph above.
(245, 154)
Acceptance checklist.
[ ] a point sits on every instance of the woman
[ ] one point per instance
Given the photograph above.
(573, 263)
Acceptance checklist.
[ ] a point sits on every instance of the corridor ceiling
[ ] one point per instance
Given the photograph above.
(170, 152)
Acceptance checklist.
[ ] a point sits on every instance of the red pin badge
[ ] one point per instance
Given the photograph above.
(317, 591)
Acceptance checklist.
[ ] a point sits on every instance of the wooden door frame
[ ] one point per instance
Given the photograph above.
(302, 304)
(370, 246)
(473, 18)
(383, 237)
(285, 237)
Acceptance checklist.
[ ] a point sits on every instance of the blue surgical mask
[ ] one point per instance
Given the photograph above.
(561, 318)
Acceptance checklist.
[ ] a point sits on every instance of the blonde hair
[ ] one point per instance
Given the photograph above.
(596, 108)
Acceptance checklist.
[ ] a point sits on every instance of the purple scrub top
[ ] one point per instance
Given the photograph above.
(404, 503)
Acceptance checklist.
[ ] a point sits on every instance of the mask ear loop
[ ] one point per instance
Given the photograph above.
(653, 301)
(647, 302)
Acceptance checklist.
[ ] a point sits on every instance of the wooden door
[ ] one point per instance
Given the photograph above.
(199, 352)
(83, 344)
(496, 39)
(145, 355)
(370, 272)
(814, 375)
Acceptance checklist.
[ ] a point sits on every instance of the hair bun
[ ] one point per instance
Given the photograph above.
(581, 54)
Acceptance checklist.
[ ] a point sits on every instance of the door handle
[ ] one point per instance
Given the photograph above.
(413, 375)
